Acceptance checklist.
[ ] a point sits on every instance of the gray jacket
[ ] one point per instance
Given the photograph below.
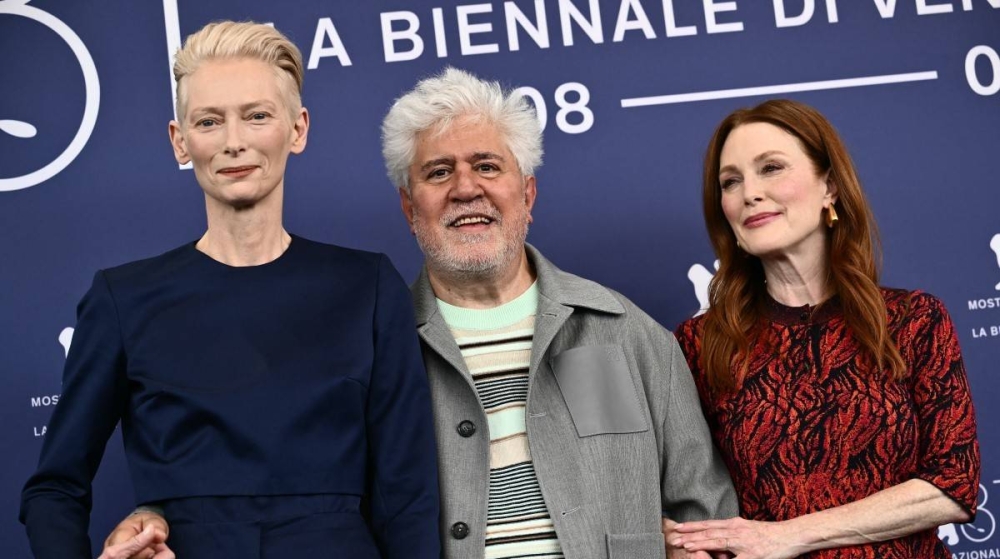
(614, 425)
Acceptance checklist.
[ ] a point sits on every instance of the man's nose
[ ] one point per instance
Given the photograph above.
(467, 184)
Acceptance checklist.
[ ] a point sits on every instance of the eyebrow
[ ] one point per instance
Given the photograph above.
(436, 162)
(475, 158)
(481, 155)
(758, 159)
(244, 107)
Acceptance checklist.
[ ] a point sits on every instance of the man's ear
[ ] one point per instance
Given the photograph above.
(177, 142)
(530, 193)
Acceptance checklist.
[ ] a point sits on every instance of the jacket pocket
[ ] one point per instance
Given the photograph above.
(636, 546)
(598, 389)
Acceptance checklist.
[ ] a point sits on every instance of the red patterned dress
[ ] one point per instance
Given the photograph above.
(811, 427)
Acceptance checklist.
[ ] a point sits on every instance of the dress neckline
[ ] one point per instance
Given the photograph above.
(805, 314)
(283, 257)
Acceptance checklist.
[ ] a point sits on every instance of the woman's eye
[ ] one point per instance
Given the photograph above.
(728, 183)
(771, 167)
(258, 116)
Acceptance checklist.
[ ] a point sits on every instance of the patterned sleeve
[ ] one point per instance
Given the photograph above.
(688, 336)
(949, 448)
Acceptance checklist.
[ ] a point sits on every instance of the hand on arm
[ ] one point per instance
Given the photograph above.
(900, 510)
(148, 543)
(674, 552)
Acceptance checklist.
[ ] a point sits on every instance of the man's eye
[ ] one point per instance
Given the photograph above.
(438, 173)
(487, 167)
(205, 123)
(259, 116)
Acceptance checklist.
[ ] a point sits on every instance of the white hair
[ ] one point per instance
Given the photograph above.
(438, 101)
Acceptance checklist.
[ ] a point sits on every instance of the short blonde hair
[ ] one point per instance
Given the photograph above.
(242, 39)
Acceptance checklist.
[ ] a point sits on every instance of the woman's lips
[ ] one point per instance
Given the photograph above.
(237, 172)
(759, 219)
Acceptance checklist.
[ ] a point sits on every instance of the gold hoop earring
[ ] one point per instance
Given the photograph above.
(831, 216)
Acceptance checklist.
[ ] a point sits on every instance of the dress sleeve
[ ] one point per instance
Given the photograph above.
(402, 449)
(688, 335)
(56, 500)
(949, 448)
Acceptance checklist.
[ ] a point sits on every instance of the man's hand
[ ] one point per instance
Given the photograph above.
(142, 535)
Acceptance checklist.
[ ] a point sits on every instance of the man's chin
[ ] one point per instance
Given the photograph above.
(466, 262)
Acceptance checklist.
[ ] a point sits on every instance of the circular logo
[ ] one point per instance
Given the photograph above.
(93, 100)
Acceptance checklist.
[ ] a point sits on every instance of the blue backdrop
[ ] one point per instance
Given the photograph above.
(630, 90)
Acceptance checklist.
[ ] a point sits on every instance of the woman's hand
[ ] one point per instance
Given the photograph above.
(141, 535)
(737, 537)
(149, 543)
(677, 552)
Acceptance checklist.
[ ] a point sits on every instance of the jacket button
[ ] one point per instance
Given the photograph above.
(459, 530)
(466, 429)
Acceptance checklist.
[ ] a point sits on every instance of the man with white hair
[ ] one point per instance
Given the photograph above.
(566, 419)
(567, 422)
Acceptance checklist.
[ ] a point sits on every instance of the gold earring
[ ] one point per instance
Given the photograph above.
(831, 216)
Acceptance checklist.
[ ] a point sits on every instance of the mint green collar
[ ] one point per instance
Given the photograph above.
(512, 312)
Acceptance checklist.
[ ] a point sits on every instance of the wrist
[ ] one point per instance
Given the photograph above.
(800, 536)
(148, 509)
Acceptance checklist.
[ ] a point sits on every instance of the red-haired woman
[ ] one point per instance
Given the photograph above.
(841, 407)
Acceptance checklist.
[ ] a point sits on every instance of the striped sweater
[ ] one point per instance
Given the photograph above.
(496, 346)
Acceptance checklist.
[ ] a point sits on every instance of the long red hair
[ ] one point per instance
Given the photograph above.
(737, 293)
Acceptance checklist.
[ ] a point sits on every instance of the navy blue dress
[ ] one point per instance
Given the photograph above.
(258, 404)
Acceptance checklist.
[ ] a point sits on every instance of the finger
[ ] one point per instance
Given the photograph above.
(668, 530)
(130, 547)
(699, 525)
(121, 534)
(164, 552)
(709, 544)
(153, 549)
(158, 523)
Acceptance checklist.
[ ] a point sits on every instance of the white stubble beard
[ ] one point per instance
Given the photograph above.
(442, 259)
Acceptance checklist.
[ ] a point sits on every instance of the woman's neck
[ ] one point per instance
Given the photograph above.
(797, 282)
(244, 237)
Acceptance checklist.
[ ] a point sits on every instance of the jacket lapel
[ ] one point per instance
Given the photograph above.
(431, 326)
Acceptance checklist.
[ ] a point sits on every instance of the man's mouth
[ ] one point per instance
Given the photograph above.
(471, 220)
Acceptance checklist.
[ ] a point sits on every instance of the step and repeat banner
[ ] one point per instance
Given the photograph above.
(628, 92)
